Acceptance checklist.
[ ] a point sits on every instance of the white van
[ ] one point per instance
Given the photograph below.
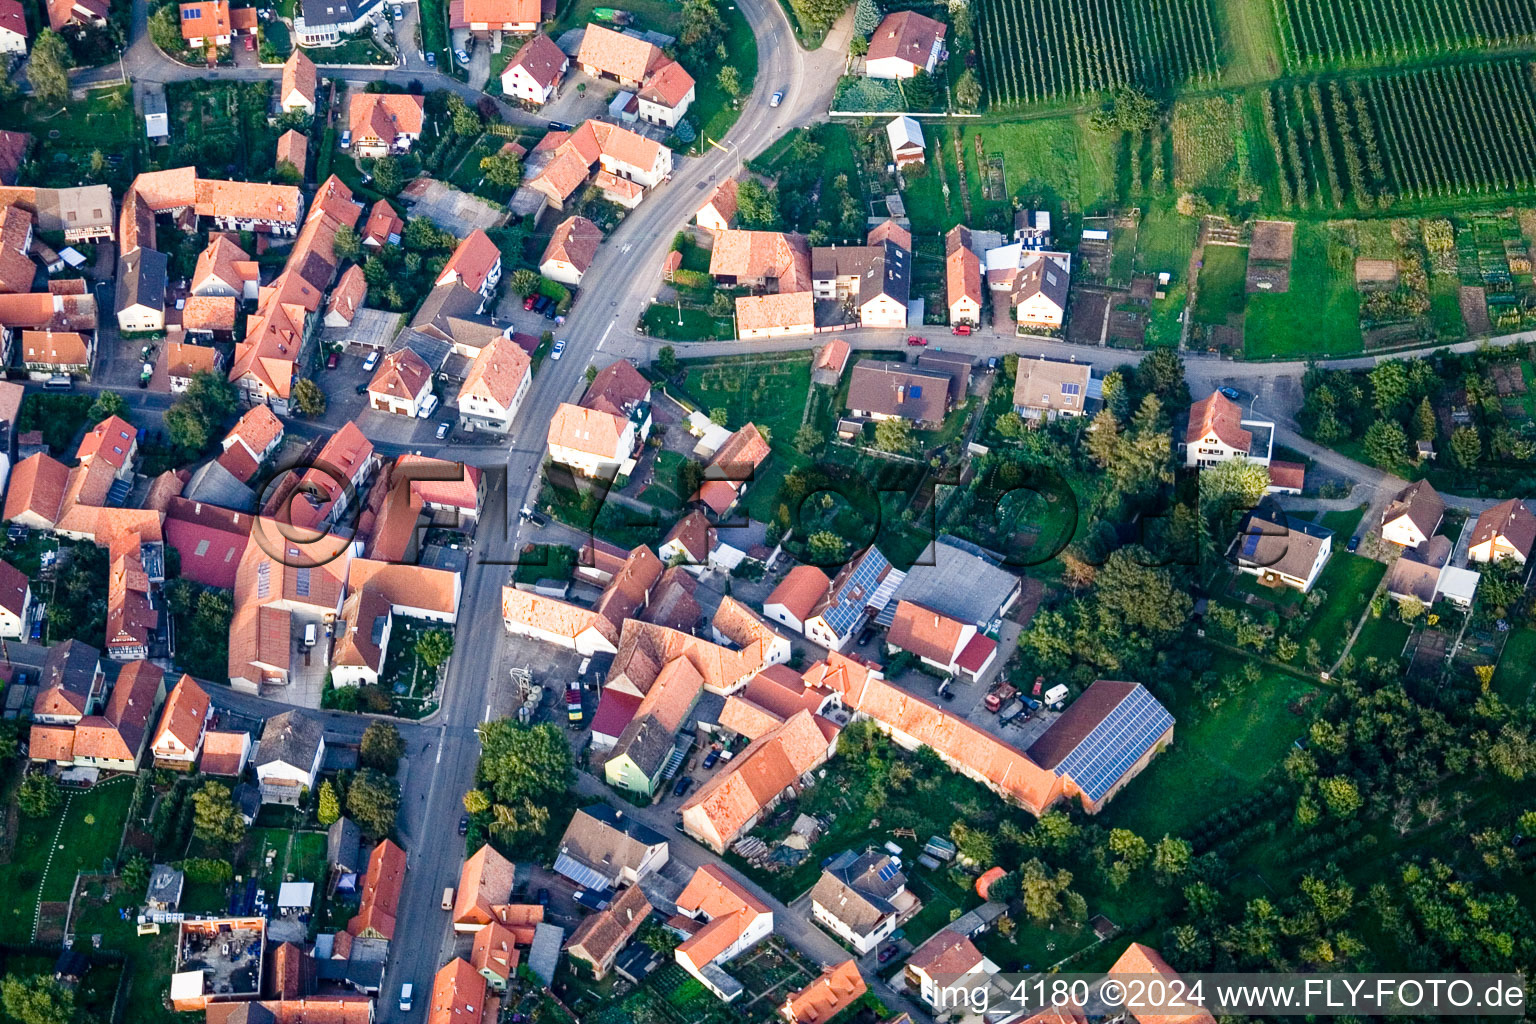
(428, 407)
(309, 635)
(405, 997)
(448, 898)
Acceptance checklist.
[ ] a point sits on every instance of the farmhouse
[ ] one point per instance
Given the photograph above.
(724, 921)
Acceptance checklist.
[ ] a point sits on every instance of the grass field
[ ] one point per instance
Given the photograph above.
(767, 391)
(1348, 582)
(1220, 293)
(1516, 674)
(1321, 312)
(1382, 637)
(1343, 522)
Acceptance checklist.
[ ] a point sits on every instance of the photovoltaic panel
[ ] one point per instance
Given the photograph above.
(1108, 751)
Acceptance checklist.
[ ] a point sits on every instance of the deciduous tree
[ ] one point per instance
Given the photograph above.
(373, 800)
(37, 999)
(308, 398)
(38, 796)
(381, 747)
(434, 647)
(215, 818)
(48, 68)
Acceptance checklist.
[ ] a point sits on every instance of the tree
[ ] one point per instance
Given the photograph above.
(476, 801)
(381, 747)
(1129, 847)
(826, 548)
(1226, 490)
(525, 282)
(1171, 859)
(1041, 890)
(755, 208)
(346, 244)
(108, 403)
(974, 844)
(48, 69)
(1389, 387)
(808, 438)
(817, 15)
(308, 398)
(135, 873)
(1128, 109)
(894, 435)
(373, 800)
(215, 818)
(1340, 795)
(1385, 443)
(434, 647)
(525, 762)
(729, 80)
(703, 27)
(1424, 421)
(388, 177)
(666, 360)
(463, 118)
(718, 416)
(37, 999)
(1162, 372)
(328, 804)
(721, 304)
(919, 90)
(185, 428)
(1466, 446)
(38, 796)
(165, 29)
(503, 169)
(866, 17)
(968, 90)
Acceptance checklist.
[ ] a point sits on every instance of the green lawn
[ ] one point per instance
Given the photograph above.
(661, 321)
(1217, 756)
(1320, 315)
(1516, 674)
(1222, 276)
(1348, 582)
(1343, 522)
(150, 959)
(1381, 638)
(662, 490)
(769, 391)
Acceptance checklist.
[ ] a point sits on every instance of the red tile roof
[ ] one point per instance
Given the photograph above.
(458, 994)
(37, 486)
(1147, 962)
(727, 903)
(472, 261)
(184, 716)
(1217, 414)
(540, 59)
(837, 988)
(907, 35)
(485, 882)
(382, 886)
(111, 439)
(801, 590)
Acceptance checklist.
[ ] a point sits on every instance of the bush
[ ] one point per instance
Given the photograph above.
(210, 870)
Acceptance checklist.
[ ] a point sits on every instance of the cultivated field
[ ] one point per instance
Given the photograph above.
(1337, 33)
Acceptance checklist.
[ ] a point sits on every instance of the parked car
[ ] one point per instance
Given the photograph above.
(682, 785)
(346, 138)
(399, 12)
(549, 310)
(431, 59)
(1232, 393)
(915, 340)
(529, 301)
(866, 635)
(992, 363)
(961, 329)
(461, 56)
(250, 44)
(463, 824)
(888, 952)
(558, 350)
(778, 98)
(543, 897)
(371, 361)
(559, 126)
(710, 758)
(442, 430)
(1354, 542)
(406, 991)
(362, 388)
(536, 518)
(540, 303)
(333, 360)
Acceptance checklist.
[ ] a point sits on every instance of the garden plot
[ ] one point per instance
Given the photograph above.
(1375, 275)
(1269, 257)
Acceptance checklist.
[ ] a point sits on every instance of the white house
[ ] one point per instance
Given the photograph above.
(1279, 550)
(666, 95)
(1217, 432)
(476, 264)
(733, 921)
(1413, 516)
(797, 597)
(401, 384)
(15, 601)
(288, 756)
(904, 44)
(862, 898)
(535, 71)
(592, 442)
(179, 737)
(13, 27)
(296, 92)
(940, 962)
(905, 136)
(571, 250)
(495, 386)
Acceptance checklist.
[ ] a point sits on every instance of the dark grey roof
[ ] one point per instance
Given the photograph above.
(1042, 277)
(212, 484)
(957, 365)
(334, 12)
(450, 310)
(544, 955)
(890, 273)
(647, 743)
(343, 845)
(71, 665)
(165, 884)
(154, 102)
(612, 817)
(857, 889)
(293, 737)
(958, 583)
(141, 276)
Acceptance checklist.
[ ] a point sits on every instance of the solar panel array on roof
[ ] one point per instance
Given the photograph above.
(917, 391)
(1071, 387)
(263, 579)
(1251, 543)
(889, 871)
(849, 603)
(301, 581)
(1116, 743)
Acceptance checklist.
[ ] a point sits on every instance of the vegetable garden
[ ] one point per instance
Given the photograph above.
(1334, 33)
(1033, 50)
(1440, 133)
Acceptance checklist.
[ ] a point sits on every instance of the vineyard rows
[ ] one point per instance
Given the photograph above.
(1034, 50)
(1333, 33)
(1433, 134)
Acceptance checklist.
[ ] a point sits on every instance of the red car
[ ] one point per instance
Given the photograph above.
(332, 361)
(962, 329)
(915, 340)
(529, 301)
(250, 43)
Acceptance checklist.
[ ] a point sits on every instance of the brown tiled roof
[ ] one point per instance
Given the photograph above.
(118, 732)
(16, 268)
(245, 199)
(496, 13)
(587, 430)
(962, 267)
(383, 221)
(1419, 501)
(205, 19)
(1217, 414)
(299, 75)
(946, 955)
(1144, 960)
(540, 59)
(553, 615)
(55, 348)
(762, 254)
(348, 295)
(1038, 385)
(224, 261)
(1287, 474)
(724, 199)
(729, 906)
(617, 388)
(222, 751)
(205, 313)
(485, 881)
(257, 428)
(51, 743)
(575, 241)
(382, 885)
(925, 633)
(13, 588)
(603, 935)
(801, 590)
(624, 56)
(781, 311)
(772, 763)
(905, 34)
(13, 17)
(889, 231)
(185, 714)
(1510, 519)
(739, 455)
(111, 439)
(495, 950)
(672, 602)
(667, 86)
(695, 534)
(473, 260)
(837, 988)
(894, 389)
(644, 649)
(497, 372)
(37, 485)
(742, 626)
(293, 146)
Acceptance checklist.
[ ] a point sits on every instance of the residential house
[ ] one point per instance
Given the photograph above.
(62, 13)
(293, 150)
(69, 689)
(495, 955)
(258, 432)
(1034, 283)
(962, 277)
(940, 642)
(768, 260)
(1045, 389)
(618, 56)
(876, 280)
(1415, 575)
(904, 44)
(327, 22)
(401, 384)
(1507, 530)
(1216, 432)
(1413, 515)
(774, 765)
(205, 320)
(534, 73)
(475, 263)
(225, 752)
(782, 315)
(729, 921)
(178, 739)
(13, 28)
(114, 739)
(492, 17)
(296, 89)
(599, 939)
(383, 883)
(862, 898)
(665, 95)
(956, 579)
(1286, 477)
(382, 123)
(941, 962)
(1280, 550)
(732, 468)
(628, 161)
(905, 137)
(645, 747)
(17, 270)
(836, 989)
(485, 882)
(346, 298)
(458, 990)
(141, 280)
(384, 226)
(495, 386)
(1145, 965)
(719, 211)
(224, 269)
(880, 389)
(593, 442)
(570, 251)
(184, 360)
(604, 848)
(288, 756)
(861, 588)
(798, 595)
(377, 592)
(15, 601)
(206, 22)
